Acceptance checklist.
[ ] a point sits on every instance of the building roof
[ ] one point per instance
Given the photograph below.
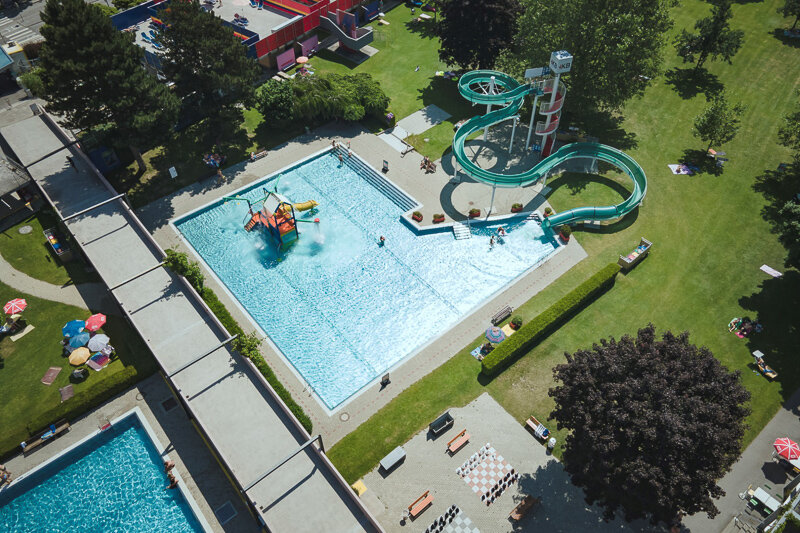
(12, 177)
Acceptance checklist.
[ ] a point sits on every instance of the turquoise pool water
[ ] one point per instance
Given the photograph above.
(112, 482)
(342, 309)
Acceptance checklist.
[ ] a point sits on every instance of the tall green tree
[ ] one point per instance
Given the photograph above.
(653, 424)
(789, 132)
(714, 38)
(473, 32)
(275, 100)
(618, 46)
(210, 68)
(719, 122)
(92, 76)
(791, 8)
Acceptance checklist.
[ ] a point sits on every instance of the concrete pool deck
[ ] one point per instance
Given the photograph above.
(427, 466)
(437, 194)
(199, 472)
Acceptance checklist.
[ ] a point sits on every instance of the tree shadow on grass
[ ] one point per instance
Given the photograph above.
(778, 188)
(423, 28)
(689, 82)
(776, 305)
(794, 42)
(606, 126)
(700, 160)
(333, 57)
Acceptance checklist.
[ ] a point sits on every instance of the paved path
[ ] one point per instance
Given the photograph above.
(93, 296)
(423, 120)
(753, 467)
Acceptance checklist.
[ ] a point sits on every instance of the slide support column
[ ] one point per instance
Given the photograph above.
(530, 125)
(489, 106)
(513, 132)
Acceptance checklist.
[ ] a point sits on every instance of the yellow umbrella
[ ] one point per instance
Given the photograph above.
(79, 356)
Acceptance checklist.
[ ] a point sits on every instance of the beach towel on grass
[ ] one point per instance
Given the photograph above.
(50, 375)
(98, 361)
(66, 393)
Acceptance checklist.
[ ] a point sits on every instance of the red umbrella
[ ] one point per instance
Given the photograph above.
(17, 305)
(95, 322)
(787, 448)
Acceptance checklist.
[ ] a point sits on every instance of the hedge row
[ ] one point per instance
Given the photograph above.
(224, 316)
(548, 321)
(84, 400)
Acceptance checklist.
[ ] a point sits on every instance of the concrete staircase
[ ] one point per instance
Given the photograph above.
(461, 231)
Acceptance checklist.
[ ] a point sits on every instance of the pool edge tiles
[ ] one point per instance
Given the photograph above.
(210, 230)
(133, 416)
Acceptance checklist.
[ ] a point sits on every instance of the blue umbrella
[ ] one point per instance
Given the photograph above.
(73, 327)
(79, 340)
(495, 334)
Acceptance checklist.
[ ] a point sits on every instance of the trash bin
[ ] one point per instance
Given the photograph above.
(551, 443)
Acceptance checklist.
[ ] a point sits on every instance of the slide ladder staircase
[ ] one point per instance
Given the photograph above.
(253, 221)
(512, 96)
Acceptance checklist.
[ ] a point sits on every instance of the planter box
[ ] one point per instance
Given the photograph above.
(416, 218)
(563, 238)
(438, 220)
(474, 215)
(631, 260)
(516, 209)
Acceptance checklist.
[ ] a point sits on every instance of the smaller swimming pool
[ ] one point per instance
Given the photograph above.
(111, 481)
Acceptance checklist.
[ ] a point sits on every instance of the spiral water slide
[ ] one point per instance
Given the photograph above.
(510, 94)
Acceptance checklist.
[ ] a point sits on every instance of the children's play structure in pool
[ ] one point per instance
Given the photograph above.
(491, 88)
(276, 216)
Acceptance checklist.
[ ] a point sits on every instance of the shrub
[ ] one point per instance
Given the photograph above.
(334, 96)
(516, 322)
(417, 215)
(122, 5)
(438, 217)
(106, 10)
(32, 81)
(180, 264)
(275, 100)
(474, 212)
(516, 205)
(32, 49)
(548, 321)
(548, 211)
(565, 231)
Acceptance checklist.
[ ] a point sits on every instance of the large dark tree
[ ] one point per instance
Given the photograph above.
(473, 32)
(617, 46)
(789, 132)
(714, 38)
(92, 76)
(209, 66)
(653, 424)
(791, 8)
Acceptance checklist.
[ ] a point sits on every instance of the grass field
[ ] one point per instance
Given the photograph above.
(709, 241)
(30, 253)
(23, 363)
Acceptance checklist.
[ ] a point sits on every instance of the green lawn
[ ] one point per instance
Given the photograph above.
(709, 241)
(23, 363)
(31, 254)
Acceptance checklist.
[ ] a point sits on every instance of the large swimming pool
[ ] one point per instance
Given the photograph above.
(342, 309)
(113, 481)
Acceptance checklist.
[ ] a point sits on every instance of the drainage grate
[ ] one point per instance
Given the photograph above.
(169, 404)
(225, 513)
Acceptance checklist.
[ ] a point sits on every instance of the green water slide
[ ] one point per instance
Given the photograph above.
(512, 98)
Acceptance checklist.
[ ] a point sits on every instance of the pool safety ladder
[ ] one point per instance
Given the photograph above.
(461, 231)
(535, 216)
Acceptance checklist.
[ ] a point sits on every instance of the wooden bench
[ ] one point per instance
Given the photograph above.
(537, 428)
(524, 506)
(255, 156)
(45, 435)
(420, 504)
(458, 441)
(501, 315)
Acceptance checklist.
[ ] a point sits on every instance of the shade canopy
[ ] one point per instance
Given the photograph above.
(787, 448)
(79, 356)
(495, 334)
(17, 305)
(76, 341)
(73, 327)
(95, 322)
(98, 342)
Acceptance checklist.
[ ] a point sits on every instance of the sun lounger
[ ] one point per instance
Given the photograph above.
(420, 504)
(763, 367)
(771, 271)
(458, 442)
(528, 503)
(501, 315)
